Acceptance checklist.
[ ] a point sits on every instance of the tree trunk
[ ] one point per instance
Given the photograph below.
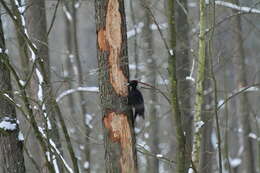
(226, 147)
(176, 114)
(11, 149)
(153, 162)
(114, 73)
(37, 27)
(248, 162)
(184, 87)
(199, 100)
(23, 48)
(136, 52)
(75, 70)
(25, 65)
(45, 96)
(207, 151)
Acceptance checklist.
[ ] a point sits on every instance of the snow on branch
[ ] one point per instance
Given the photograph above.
(237, 91)
(8, 123)
(191, 73)
(67, 13)
(70, 91)
(236, 7)
(54, 147)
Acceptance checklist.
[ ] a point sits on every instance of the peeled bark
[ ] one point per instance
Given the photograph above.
(11, 149)
(114, 73)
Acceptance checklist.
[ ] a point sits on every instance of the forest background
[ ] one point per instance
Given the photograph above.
(197, 62)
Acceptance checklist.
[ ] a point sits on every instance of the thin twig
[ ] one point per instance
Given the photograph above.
(53, 18)
(237, 93)
(170, 52)
(153, 87)
(142, 150)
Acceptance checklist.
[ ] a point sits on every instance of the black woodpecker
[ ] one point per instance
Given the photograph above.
(135, 99)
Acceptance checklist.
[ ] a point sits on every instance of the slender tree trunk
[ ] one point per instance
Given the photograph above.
(184, 86)
(11, 149)
(45, 93)
(207, 151)
(37, 27)
(207, 116)
(153, 162)
(176, 113)
(242, 101)
(114, 73)
(226, 130)
(25, 66)
(136, 55)
(75, 69)
(199, 100)
(23, 48)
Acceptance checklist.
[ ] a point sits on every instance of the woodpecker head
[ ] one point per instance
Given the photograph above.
(133, 83)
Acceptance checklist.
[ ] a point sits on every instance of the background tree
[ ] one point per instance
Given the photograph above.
(243, 112)
(37, 28)
(148, 54)
(34, 52)
(199, 100)
(176, 111)
(184, 85)
(11, 139)
(74, 70)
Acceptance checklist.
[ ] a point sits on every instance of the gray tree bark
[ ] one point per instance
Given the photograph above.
(37, 27)
(174, 95)
(148, 49)
(207, 151)
(184, 87)
(11, 149)
(248, 162)
(74, 68)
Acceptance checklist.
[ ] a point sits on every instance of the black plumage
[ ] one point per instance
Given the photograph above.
(135, 99)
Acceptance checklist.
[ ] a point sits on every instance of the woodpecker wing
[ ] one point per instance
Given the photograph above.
(136, 100)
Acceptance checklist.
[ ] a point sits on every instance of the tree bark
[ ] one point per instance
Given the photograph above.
(242, 100)
(176, 114)
(23, 48)
(37, 27)
(199, 100)
(25, 65)
(11, 149)
(136, 55)
(75, 70)
(114, 73)
(148, 49)
(207, 151)
(184, 87)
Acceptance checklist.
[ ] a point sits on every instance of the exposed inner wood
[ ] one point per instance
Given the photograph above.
(114, 39)
(119, 131)
(102, 43)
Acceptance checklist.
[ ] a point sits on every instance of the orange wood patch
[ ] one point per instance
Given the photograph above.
(102, 43)
(114, 40)
(119, 131)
